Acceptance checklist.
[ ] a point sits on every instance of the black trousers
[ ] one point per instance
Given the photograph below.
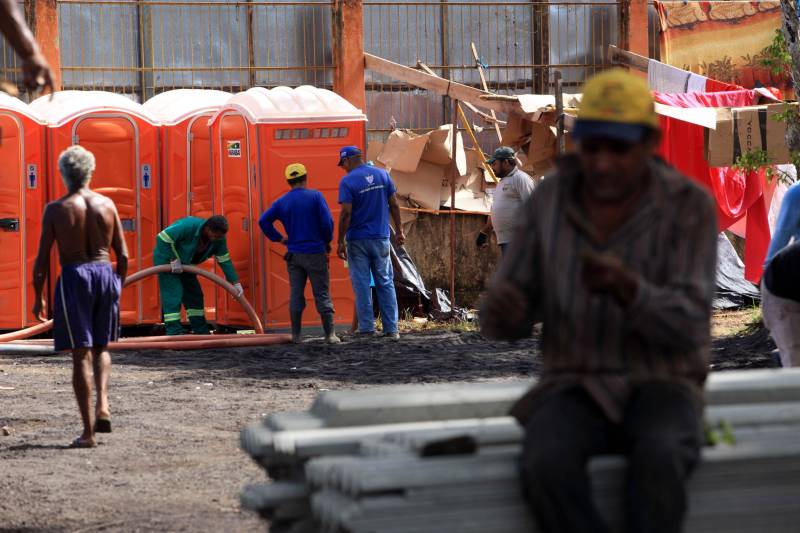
(314, 268)
(660, 436)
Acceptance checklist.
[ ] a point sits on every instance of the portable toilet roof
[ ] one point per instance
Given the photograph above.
(287, 104)
(67, 105)
(18, 106)
(173, 107)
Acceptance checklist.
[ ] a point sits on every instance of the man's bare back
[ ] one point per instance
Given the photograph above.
(85, 226)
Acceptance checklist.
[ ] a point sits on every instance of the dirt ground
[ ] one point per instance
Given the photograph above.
(173, 462)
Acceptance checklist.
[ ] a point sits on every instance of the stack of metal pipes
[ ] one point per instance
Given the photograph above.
(444, 458)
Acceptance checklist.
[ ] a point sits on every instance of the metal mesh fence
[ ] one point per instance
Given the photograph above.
(520, 44)
(140, 48)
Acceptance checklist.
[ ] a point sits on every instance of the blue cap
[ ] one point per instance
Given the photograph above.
(348, 151)
(617, 131)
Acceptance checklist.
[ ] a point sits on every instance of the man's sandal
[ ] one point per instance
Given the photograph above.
(80, 443)
(102, 425)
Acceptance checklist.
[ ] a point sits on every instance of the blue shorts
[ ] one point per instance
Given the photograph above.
(86, 307)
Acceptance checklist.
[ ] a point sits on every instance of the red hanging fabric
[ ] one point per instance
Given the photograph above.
(715, 86)
(736, 193)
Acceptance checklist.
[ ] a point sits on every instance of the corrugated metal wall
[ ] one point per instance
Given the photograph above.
(140, 48)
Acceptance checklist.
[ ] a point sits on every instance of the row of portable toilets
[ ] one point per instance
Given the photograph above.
(183, 152)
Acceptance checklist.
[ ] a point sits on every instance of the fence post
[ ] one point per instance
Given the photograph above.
(348, 51)
(43, 17)
(634, 29)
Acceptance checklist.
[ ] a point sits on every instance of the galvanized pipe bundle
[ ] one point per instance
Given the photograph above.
(356, 461)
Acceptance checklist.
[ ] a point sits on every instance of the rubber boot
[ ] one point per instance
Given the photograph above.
(330, 331)
(297, 325)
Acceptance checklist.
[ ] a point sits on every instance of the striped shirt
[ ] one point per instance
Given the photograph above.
(590, 340)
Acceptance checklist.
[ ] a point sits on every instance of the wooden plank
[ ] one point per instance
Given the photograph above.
(618, 56)
(485, 86)
(436, 84)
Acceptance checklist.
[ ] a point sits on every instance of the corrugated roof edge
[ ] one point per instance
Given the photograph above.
(288, 105)
(68, 105)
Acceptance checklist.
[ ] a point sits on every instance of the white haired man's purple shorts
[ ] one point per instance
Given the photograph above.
(86, 307)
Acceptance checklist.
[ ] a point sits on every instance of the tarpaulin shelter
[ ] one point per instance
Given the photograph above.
(187, 184)
(254, 136)
(124, 140)
(23, 194)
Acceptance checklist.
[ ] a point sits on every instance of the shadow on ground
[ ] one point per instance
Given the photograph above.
(433, 356)
(418, 357)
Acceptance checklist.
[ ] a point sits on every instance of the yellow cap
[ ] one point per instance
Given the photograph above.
(295, 170)
(620, 97)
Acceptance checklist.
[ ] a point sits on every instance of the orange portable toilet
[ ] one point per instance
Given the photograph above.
(187, 186)
(24, 194)
(124, 141)
(272, 128)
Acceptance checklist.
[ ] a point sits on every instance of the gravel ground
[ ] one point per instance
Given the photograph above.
(173, 461)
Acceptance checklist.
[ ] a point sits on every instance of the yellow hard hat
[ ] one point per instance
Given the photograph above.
(615, 98)
(295, 170)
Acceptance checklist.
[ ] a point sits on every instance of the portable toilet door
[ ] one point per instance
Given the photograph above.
(124, 141)
(306, 125)
(187, 178)
(234, 162)
(23, 195)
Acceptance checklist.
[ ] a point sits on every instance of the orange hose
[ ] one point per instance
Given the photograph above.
(170, 338)
(204, 344)
(27, 332)
(137, 276)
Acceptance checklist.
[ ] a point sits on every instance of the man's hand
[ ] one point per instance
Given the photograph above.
(176, 266)
(482, 241)
(36, 73)
(401, 237)
(37, 311)
(341, 251)
(606, 273)
(505, 313)
(238, 290)
(328, 248)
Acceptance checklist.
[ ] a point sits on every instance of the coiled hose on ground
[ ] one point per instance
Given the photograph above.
(177, 342)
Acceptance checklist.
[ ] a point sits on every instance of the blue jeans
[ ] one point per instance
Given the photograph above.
(372, 256)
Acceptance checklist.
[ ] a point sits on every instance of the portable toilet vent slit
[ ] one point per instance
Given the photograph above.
(124, 140)
(23, 195)
(255, 135)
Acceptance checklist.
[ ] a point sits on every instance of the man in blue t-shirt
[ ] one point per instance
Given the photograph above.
(309, 227)
(782, 313)
(367, 196)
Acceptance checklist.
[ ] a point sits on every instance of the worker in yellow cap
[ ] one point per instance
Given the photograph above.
(308, 224)
(615, 255)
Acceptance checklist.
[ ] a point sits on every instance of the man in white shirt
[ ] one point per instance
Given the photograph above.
(513, 190)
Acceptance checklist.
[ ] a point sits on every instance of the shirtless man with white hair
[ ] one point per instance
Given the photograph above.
(86, 227)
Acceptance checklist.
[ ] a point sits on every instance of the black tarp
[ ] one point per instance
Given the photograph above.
(733, 291)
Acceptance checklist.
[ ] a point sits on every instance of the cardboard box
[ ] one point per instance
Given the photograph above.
(403, 151)
(517, 131)
(745, 129)
(422, 186)
(543, 144)
(374, 149)
(439, 148)
(467, 200)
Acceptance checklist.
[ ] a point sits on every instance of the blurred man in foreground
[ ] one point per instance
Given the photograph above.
(616, 256)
